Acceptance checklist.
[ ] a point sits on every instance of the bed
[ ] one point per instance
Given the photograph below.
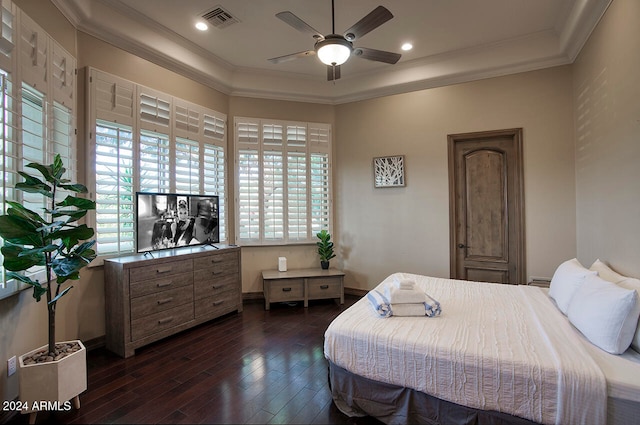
(498, 354)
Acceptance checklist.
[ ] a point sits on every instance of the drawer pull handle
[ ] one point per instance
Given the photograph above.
(286, 289)
(324, 286)
(164, 321)
(217, 286)
(166, 300)
(216, 260)
(163, 284)
(164, 270)
(216, 303)
(215, 272)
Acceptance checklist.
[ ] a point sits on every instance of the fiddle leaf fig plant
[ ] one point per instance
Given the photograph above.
(51, 239)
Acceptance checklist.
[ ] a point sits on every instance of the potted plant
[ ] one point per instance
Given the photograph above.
(325, 248)
(50, 239)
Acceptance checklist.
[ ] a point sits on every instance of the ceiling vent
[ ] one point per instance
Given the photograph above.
(218, 17)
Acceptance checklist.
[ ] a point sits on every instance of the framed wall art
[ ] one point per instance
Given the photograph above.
(388, 171)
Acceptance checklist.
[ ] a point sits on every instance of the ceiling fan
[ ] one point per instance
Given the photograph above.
(334, 49)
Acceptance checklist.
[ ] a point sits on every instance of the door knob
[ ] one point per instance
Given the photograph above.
(460, 245)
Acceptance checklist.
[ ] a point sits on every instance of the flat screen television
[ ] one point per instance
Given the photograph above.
(170, 220)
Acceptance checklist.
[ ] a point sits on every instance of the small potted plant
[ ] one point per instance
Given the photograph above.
(50, 239)
(325, 248)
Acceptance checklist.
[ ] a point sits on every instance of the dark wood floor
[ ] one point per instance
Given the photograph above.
(256, 367)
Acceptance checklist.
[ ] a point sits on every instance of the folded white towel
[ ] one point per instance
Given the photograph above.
(379, 303)
(404, 283)
(408, 310)
(403, 296)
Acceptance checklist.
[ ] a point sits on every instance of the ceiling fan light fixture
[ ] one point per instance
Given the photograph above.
(333, 50)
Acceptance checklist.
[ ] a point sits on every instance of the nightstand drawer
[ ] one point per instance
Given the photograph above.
(320, 288)
(286, 290)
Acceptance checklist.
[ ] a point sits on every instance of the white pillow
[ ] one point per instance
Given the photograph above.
(566, 279)
(605, 272)
(605, 313)
(632, 283)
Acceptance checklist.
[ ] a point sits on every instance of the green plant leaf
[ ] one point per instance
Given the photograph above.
(57, 168)
(38, 289)
(19, 210)
(67, 267)
(46, 171)
(16, 227)
(17, 258)
(71, 215)
(78, 188)
(75, 201)
(72, 236)
(34, 185)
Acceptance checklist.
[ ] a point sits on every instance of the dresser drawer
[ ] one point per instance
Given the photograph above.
(286, 290)
(164, 300)
(206, 285)
(218, 304)
(146, 287)
(224, 263)
(215, 273)
(324, 287)
(157, 322)
(160, 270)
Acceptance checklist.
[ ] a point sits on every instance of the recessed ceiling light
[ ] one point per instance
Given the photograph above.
(407, 46)
(202, 26)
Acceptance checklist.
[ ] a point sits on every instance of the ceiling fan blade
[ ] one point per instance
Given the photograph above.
(377, 55)
(299, 24)
(333, 72)
(373, 20)
(292, 56)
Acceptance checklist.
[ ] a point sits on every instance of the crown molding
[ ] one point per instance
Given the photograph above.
(139, 35)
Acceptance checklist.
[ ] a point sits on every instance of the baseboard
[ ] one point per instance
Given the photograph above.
(95, 343)
(356, 292)
(9, 415)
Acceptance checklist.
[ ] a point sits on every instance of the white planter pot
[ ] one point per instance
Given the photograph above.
(53, 382)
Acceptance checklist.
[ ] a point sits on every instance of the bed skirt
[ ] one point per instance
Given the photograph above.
(355, 395)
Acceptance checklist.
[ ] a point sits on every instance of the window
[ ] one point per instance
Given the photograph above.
(149, 141)
(283, 181)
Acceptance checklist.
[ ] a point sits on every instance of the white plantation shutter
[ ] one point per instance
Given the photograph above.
(113, 102)
(10, 158)
(213, 163)
(114, 188)
(187, 166)
(7, 37)
(297, 222)
(33, 54)
(283, 186)
(166, 144)
(63, 75)
(112, 98)
(154, 163)
(273, 195)
(320, 177)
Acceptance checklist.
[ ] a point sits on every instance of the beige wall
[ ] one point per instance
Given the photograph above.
(382, 231)
(607, 119)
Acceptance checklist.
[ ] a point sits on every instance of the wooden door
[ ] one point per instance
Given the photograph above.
(487, 206)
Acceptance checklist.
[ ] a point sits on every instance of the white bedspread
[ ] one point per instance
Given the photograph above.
(495, 347)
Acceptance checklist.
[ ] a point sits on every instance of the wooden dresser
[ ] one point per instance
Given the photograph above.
(149, 297)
